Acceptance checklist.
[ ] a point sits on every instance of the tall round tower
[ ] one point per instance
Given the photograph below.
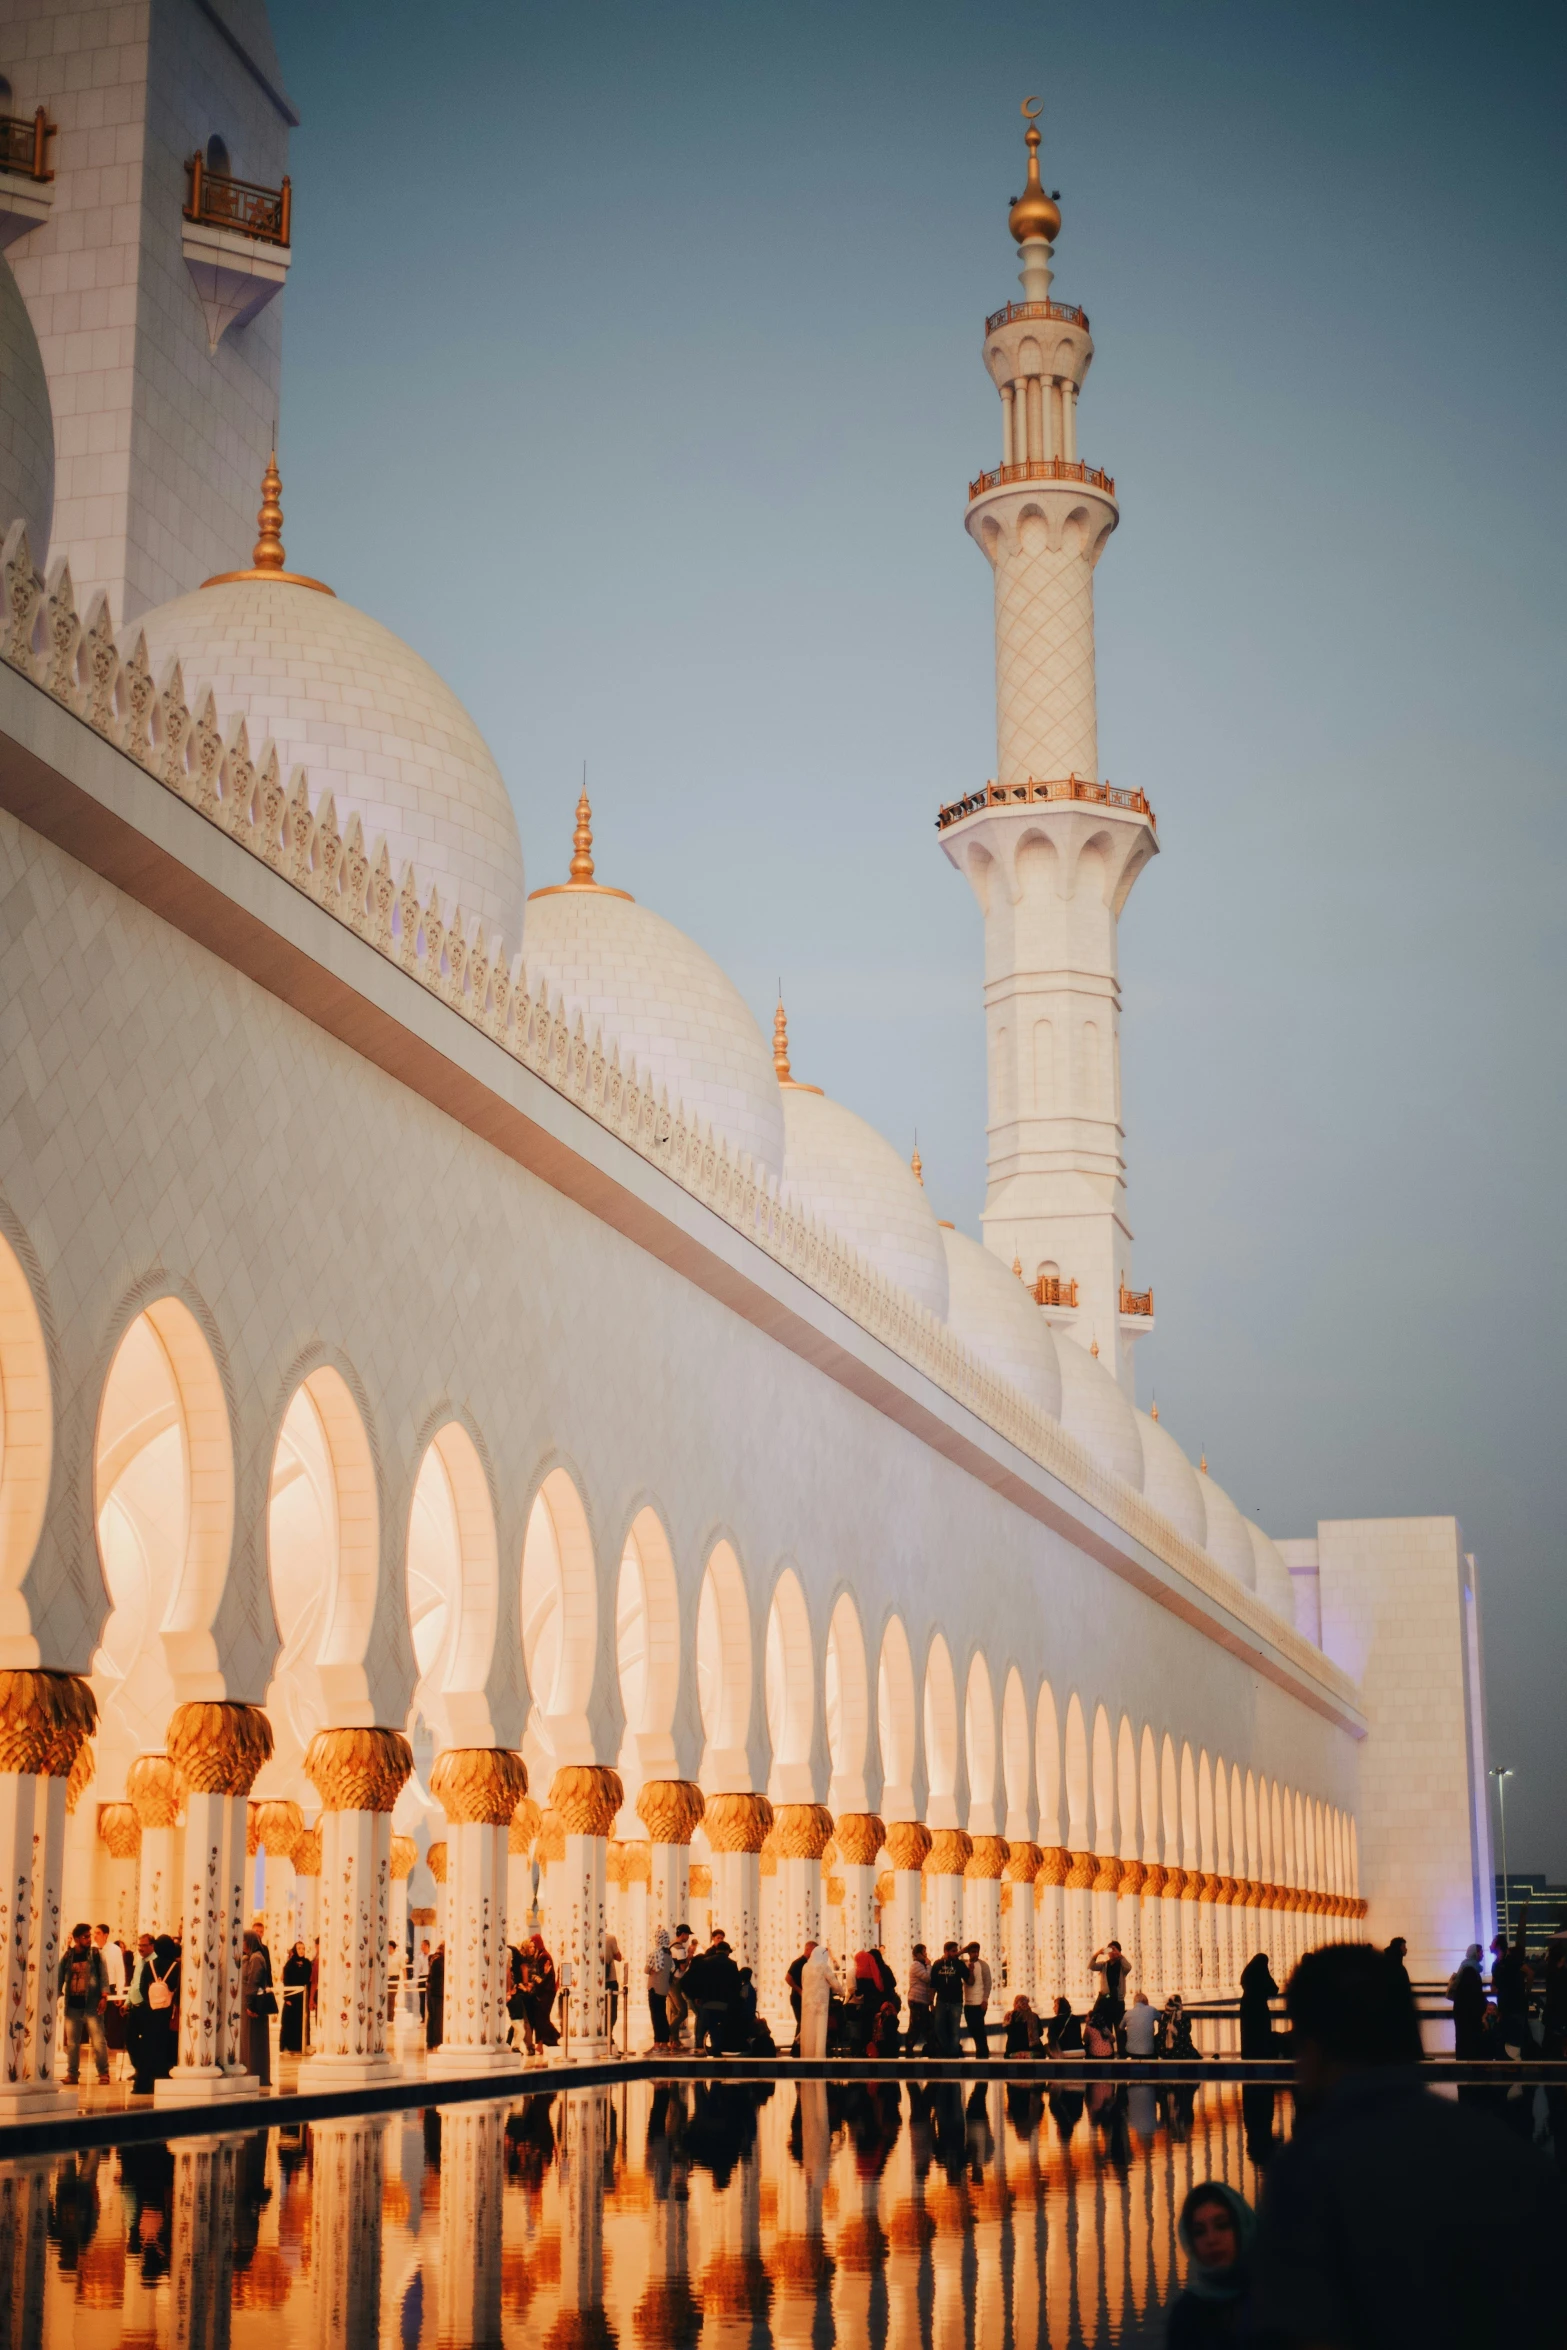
(1050, 850)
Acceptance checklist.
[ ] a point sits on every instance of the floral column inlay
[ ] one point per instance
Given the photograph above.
(584, 1798)
(736, 1826)
(44, 1718)
(154, 1795)
(358, 1774)
(479, 1789)
(216, 1749)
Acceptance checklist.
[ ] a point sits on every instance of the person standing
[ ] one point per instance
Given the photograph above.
(257, 2007)
(1467, 1992)
(435, 1997)
(1555, 2002)
(1257, 1988)
(1217, 2230)
(84, 1984)
(1510, 1989)
(820, 1984)
(612, 1964)
(153, 2013)
(660, 1976)
(1113, 1968)
(919, 2000)
(976, 2001)
(949, 1982)
(720, 1992)
(296, 1990)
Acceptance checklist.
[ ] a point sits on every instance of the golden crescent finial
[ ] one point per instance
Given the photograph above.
(1038, 108)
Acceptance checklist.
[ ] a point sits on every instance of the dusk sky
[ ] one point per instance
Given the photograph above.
(632, 373)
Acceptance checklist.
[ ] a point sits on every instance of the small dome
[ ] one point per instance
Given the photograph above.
(990, 1311)
(853, 1182)
(1229, 1543)
(1275, 1584)
(1096, 1412)
(1170, 1481)
(668, 1007)
(26, 425)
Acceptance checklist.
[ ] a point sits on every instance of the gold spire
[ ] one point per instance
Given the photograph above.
(917, 1165)
(781, 1052)
(1203, 1464)
(1154, 1414)
(267, 557)
(1094, 1349)
(580, 871)
(1017, 1267)
(1034, 214)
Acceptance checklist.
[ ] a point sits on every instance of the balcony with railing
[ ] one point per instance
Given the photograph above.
(1004, 477)
(24, 144)
(218, 201)
(1062, 313)
(1065, 787)
(1137, 1304)
(1051, 1290)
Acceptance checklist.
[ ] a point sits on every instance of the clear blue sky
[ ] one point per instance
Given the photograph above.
(632, 373)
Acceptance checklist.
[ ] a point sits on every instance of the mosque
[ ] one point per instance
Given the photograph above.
(477, 1428)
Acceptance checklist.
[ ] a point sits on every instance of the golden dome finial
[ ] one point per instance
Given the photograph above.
(1154, 1414)
(1017, 1267)
(781, 1042)
(917, 1165)
(1203, 1463)
(1034, 214)
(1094, 1349)
(267, 558)
(582, 841)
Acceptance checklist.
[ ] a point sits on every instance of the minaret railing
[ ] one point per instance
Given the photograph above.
(222, 202)
(1063, 787)
(1043, 469)
(1064, 313)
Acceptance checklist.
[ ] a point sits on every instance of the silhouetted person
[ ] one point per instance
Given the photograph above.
(1467, 1990)
(1217, 2229)
(1257, 1988)
(1510, 1988)
(1393, 2215)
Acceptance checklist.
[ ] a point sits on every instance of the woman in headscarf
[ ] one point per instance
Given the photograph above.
(1217, 2230)
(660, 1979)
(1023, 2027)
(541, 1988)
(296, 1989)
(1468, 1995)
(1257, 1988)
(820, 1984)
(257, 2005)
(1063, 2033)
(1176, 2029)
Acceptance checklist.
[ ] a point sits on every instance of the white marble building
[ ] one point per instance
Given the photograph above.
(440, 1338)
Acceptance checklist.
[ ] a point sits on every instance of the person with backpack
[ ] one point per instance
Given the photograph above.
(152, 2012)
(84, 1985)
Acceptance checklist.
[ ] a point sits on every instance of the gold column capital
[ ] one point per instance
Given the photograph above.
(636, 1864)
(358, 1770)
(804, 1830)
(701, 1881)
(859, 1836)
(1023, 1862)
(1174, 1886)
(81, 1778)
(585, 1797)
(307, 1853)
(217, 1746)
(119, 1830)
(152, 1788)
(525, 1823)
(550, 1843)
(404, 1853)
(986, 1864)
(669, 1809)
(435, 1862)
(1107, 1873)
(1055, 1866)
(1153, 1878)
(279, 1824)
(479, 1784)
(44, 1718)
(1134, 1877)
(950, 1852)
(908, 1842)
(737, 1823)
(1080, 1876)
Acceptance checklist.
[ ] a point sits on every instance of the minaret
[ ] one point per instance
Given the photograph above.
(1050, 850)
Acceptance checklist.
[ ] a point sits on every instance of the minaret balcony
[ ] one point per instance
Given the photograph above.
(236, 238)
(1136, 1309)
(1062, 313)
(26, 174)
(1005, 477)
(1029, 794)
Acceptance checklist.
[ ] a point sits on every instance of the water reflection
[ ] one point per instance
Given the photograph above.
(726, 2215)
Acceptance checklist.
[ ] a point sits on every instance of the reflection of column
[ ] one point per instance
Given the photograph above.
(217, 1749)
(859, 1836)
(473, 2145)
(154, 1795)
(736, 1826)
(1079, 1925)
(735, 2288)
(24, 2247)
(478, 1788)
(1023, 1864)
(201, 2256)
(119, 1832)
(1050, 1975)
(585, 1797)
(347, 2167)
(982, 1903)
(669, 1809)
(950, 1851)
(908, 1841)
(358, 1775)
(279, 1826)
(580, 2201)
(803, 1831)
(799, 2261)
(44, 1717)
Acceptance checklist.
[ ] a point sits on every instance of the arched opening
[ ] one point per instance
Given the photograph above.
(1221, 1822)
(559, 1629)
(1188, 1808)
(979, 1748)
(896, 1723)
(1015, 1771)
(1170, 1804)
(1126, 1788)
(1047, 1766)
(1104, 1784)
(323, 1553)
(941, 1738)
(163, 1490)
(1205, 1812)
(218, 164)
(1076, 1775)
(647, 1652)
(26, 1444)
(846, 1698)
(1253, 1840)
(787, 1675)
(723, 1675)
(453, 1589)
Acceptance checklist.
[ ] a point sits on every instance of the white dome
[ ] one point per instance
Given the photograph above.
(1096, 1412)
(849, 1178)
(1170, 1481)
(1275, 1584)
(992, 1313)
(369, 721)
(26, 425)
(666, 1005)
(1229, 1543)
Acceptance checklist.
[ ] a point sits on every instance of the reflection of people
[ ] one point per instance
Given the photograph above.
(820, 1984)
(1217, 2229)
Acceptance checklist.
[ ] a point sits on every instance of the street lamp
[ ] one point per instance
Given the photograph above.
(1501, 1773)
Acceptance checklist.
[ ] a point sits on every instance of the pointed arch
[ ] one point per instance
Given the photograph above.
(1205, 1812)
(1015, 1770)
(789, 1678)
(1189, 1846)
(453, 1576)
(723, 1674)
(1047, 1766)
(1077, 1831)
(941, 1737)
(846, 1705)
(323, 1564)
(1126, 1789)
(647, 1653)
(897, 1724)
(979, 1747)
(1150, 1793)
(559, 1613)
(1104, 1784)
(1227, 1861)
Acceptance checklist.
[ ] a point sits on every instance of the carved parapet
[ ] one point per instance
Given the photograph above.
(119, 1830)
(480, 1785)
(153, 1789)
(737, 1823)
(701, 1886)
(669, 1809)
(279, 1826)
(435, 1861)
(1153, 1879)
(1080, 1876)
(907, 1842)
(1022, 1863)
(803, 1830)
(81, 1778)
(218, 1747)
(1133, 1876)
(859, 1836)
(950, 1852)
(524, 1829)
(550, 1842)
(44, 1718)
(987, 1862)
(307, 1852)
(1055, 1866)
(405, 1852)
(585, 1798)
(359, 1770)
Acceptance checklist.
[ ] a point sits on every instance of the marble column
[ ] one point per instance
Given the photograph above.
(950, 1852)
(1191, 1934)
(44, 1718)
(154, 1795)
(479, 1789)
(1080, 1943)
(407, 2022)
(1106, 1888)
(669, 1809)
(585, 1798)
(435, 1861)
(902, 1925)
(804, 1830)
(771, 1989)
(358, 1774)
(1024, 1861)
(736, 1826)
(1207, 1914)
(699, 1900)
(859, 1836)
(279, 1824)
(1170, 1931)
(119, 1832)
(347, 2179)
(982, 1904)
(636, 1870)
(473, 2170)
(217, 1748)
(1050, 1967)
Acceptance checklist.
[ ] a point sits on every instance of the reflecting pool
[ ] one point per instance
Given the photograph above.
(726, 2214)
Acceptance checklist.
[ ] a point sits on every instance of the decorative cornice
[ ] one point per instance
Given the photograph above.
(218, 1747)
(359, 1770)
(43, 1719)
(479, 1785)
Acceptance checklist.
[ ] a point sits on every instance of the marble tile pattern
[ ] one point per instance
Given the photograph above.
(26, 425)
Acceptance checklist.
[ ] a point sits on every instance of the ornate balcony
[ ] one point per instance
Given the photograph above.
(1043, 469)
(1051, 1290)
(1066, 787)
(1137, 1302)
(1064, 313)
(235, 237)
(221, 202)
(24, 144)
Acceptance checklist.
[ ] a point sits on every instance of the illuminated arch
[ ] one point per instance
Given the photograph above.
(559, 1628)
(1149, 1774)
(453, 1572)
(323, 1563)
(1047, 1766)
(787, 1678)
(723, 1675)
(941, 1738)
(1015, 1761)
(1126, 1788)
(979, 1747)
(846, 1708)
(1077, 1830)
(897, 1728)
(1104, 1784)
(647, 1653)
(1170, 1804)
